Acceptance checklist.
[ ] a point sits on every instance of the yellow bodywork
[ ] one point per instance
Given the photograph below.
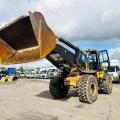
(72, 79)
(100, 74)
(8, 78)
(87, 67)
(112, 78)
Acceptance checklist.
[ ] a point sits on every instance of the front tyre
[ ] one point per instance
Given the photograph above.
(106, 85)
(57, 88)
(88, 89)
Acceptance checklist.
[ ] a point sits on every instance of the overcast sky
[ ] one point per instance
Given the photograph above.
(86, 23)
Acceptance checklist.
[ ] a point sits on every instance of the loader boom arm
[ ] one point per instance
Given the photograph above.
(28, 38)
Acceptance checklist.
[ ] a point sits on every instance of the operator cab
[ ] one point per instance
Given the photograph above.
(97, 59)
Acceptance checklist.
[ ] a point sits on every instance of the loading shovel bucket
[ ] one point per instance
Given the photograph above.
(28, 38)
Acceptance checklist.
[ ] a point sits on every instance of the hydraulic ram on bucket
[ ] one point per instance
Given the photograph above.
(25, 39)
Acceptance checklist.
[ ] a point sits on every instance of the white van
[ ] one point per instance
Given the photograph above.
(32, 74)
(53, 72)
(43, 74)
(114, 70)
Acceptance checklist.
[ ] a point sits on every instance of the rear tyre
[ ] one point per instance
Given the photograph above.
(88, 89)
(57, 88)
(106, 86)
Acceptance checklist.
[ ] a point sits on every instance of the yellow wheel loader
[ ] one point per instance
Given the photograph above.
(29, 38)
(97, 60)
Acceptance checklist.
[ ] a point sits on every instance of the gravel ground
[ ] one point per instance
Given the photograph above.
(30, 100)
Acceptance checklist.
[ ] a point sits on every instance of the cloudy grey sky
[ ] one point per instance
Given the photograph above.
(91, 23)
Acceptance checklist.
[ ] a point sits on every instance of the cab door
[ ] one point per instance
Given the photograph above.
(104, 58)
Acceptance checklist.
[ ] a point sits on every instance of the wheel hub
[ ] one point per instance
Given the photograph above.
(93, 89)
(110, 84)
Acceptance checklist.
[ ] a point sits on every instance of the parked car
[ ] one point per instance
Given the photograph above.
(53, 72)
(22, 74)
(43, 74)
(36, 75)
(32, 74)
(17, 74)
(3, 74)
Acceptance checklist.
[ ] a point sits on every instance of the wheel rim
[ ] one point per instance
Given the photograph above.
(93, 89)
(110, 84)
